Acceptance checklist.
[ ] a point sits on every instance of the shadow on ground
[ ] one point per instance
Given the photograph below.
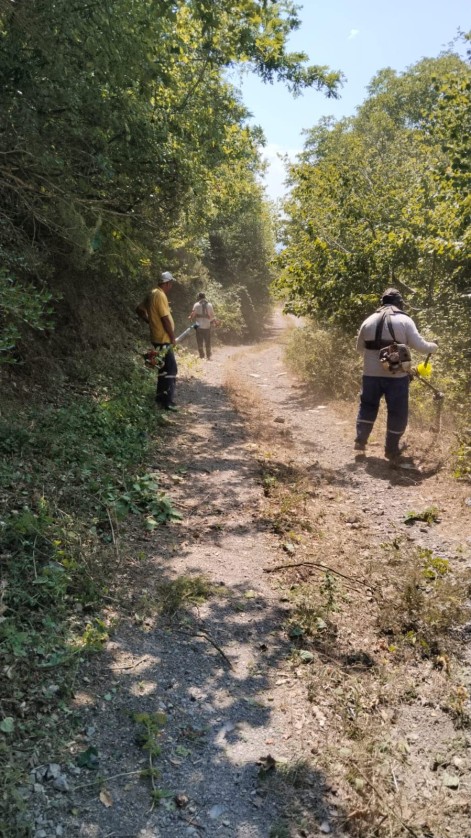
(209, 672)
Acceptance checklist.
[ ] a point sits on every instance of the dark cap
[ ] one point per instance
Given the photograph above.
(392, 297)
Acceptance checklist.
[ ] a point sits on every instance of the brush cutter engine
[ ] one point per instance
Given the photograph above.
(155, 357)
(396, 358)
(151, 358)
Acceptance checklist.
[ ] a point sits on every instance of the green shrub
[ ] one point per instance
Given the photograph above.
(326, 359)
(20, 305)
(463, 455)
(68, 470)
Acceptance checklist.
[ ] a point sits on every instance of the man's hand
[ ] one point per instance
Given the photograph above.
(142, 312)
(168, 328)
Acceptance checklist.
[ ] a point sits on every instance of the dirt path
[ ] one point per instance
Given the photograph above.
(222, 675)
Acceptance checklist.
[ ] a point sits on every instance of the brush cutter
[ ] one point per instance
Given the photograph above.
(154, 357)
(422, 373)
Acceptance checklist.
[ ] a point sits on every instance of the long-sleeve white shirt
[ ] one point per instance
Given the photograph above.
(405, 331)
(197, 314)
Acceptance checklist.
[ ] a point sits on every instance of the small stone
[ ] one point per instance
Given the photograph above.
(61, 784)
(41, 833)
(181, 800)
(216, 811)
(459, 763)
(325, 828)
(38, 788)
(59, 831)
(53, 771)
(450, 781)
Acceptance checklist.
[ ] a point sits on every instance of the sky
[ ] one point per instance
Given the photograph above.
(358, 37)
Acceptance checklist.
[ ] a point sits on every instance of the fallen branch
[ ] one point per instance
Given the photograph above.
(208, 637)
(321, 567)
(130, 666)
(113, 536)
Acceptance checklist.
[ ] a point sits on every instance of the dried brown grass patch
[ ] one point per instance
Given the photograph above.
(367, 644)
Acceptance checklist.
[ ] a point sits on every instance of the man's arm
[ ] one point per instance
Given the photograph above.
(417, 342)
(361, 341)
(142, 312)
(168, 327)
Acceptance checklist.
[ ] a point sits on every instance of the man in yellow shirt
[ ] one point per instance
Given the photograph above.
(155, 311)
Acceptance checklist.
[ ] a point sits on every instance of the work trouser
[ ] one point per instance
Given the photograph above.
(396, 394)
(166, 376)
(203, 336)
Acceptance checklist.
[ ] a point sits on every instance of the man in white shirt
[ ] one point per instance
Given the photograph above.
(203, 314)
(386, 326)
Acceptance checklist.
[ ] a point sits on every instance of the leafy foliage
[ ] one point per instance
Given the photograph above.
(118, 121)
(372, 204)
(67, 471)
(426, 602)
(20, 304)
(382, 199)
(320, 356)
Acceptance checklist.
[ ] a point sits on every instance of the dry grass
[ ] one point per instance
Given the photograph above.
(381, 646)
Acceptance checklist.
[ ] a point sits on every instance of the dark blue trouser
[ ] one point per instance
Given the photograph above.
(166, 377)
(396, 393)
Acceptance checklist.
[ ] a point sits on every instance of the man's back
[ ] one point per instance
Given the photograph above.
(204, 313)
(405, 331)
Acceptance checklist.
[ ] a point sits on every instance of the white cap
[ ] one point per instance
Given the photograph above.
(166, 276)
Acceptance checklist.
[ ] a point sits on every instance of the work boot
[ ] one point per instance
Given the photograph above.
(359, 445)
(394, 455)
(395, 452)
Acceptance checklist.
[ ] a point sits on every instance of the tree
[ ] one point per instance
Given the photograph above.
(114, 116)
(376, 199)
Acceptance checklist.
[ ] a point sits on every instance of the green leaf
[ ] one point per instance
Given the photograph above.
(88, 759)
(305, 656)
(7, 725)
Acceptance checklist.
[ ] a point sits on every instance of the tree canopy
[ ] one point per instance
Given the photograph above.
(383, 198)
(117, 123)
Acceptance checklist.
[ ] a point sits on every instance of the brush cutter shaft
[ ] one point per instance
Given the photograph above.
(437, 394)
(186, 332)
